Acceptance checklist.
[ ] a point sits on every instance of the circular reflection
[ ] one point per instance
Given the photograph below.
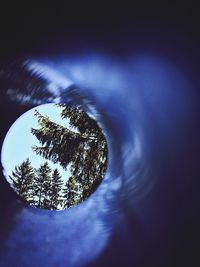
(54, 156)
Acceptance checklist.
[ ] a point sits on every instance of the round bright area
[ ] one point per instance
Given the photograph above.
(54, 156)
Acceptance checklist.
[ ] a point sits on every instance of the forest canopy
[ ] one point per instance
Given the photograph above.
(79, 148)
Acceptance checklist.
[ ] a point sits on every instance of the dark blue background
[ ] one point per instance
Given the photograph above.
(157, 47)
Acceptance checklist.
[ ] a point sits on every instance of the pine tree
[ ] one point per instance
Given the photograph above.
(90, 163)
(39, 187)
(72, 193)
(22, 179)
(56, 189)
(43, 187)
(83, 149)
(66, 196)
(59, 144)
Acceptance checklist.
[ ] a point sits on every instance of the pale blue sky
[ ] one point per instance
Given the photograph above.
(19, 140)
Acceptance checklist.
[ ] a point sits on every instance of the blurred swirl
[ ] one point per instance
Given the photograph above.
(146, 112)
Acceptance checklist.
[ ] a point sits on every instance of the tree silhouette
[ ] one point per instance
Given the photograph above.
(56, 189)
(72, 192)
(80, 148)
(83, 149)
(40, 187)
(59, 144)
(43, 186)
(22, 179)
(89, 165)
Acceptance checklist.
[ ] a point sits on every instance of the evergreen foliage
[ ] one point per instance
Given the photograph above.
(56, 189)
(23, 178)
(43, 186)
(59, 144)
(82, 149)
(72, 192)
